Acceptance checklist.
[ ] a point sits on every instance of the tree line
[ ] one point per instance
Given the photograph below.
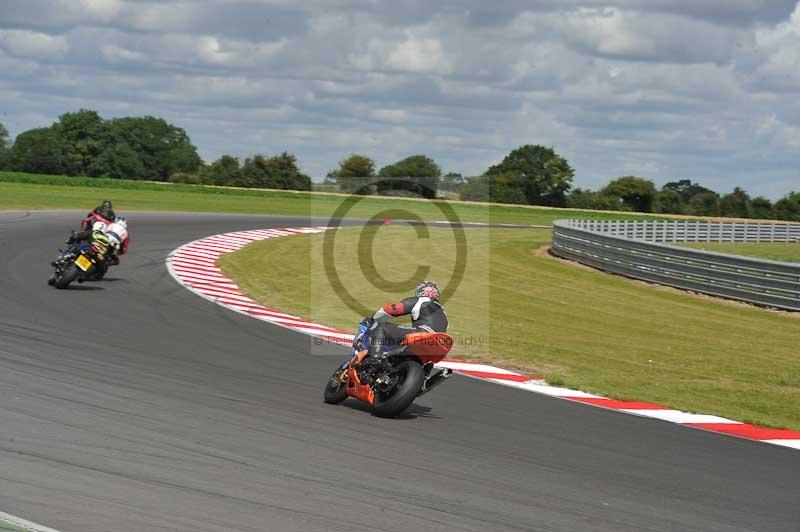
(537, 175)
(149, 148)
(139, 148)
(84, 144)
(683, 196)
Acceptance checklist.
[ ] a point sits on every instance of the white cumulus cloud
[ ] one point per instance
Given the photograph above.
(419, 55)
(25, 43)
(662, 88)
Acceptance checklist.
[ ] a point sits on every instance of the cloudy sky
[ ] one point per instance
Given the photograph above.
(704, 89)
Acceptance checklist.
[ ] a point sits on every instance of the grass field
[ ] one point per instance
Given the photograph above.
(518, 307)
(27, 191)
(789, 252)
(5, 526)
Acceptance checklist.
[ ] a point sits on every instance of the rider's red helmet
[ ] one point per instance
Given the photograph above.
(427, 289)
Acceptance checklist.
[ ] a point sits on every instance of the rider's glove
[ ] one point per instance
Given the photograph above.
(358, 343)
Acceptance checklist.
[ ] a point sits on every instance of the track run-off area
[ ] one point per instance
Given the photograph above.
(134, 405)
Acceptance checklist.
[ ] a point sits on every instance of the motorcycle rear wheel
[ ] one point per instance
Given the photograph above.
(69, 275)
(405, 392)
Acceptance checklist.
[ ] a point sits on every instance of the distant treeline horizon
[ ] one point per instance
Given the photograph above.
(149, 148)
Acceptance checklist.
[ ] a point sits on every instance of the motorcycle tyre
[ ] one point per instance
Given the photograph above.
(334, 396)
(69, 275)
(404, 394)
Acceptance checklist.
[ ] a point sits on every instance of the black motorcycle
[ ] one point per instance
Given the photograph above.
(77, 262)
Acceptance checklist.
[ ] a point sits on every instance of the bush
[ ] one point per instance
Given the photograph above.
(82, 143)
(634, 192)
(354, 175)
(762, 208)
(704, 204)
(279, 171)
(417, 174)
(186, 179)
(587, 199)
(788, 208)
(496, 188)
(541, 176)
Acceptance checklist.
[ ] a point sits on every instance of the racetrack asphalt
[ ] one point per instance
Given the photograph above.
(133, 405)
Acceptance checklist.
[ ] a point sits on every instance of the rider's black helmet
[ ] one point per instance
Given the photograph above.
(105, 210)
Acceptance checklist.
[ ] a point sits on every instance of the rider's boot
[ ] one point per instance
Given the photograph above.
(375, 355)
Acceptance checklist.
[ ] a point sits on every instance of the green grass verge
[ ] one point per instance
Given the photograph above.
(5, 526)
(29, 191)
(578, 327)
(787, 252)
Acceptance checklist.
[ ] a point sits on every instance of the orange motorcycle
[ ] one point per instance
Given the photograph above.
(405, 373)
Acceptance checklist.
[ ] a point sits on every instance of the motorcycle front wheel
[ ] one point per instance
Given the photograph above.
(334, 389)
(410, 375)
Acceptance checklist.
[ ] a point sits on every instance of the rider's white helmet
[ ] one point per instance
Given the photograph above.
(99, 226)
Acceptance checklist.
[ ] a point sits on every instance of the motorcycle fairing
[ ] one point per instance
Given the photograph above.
(354, 387)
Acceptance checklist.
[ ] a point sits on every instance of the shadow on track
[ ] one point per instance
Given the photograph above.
(83, 287)
(412, 412)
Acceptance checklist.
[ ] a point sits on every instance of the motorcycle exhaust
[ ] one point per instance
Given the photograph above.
(435, 379)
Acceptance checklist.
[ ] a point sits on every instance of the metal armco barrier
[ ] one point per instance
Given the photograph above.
(635, 249)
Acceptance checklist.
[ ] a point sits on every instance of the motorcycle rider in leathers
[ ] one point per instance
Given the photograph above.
(95, 236)
(103, 213)
(427, 315)
(118, 235)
